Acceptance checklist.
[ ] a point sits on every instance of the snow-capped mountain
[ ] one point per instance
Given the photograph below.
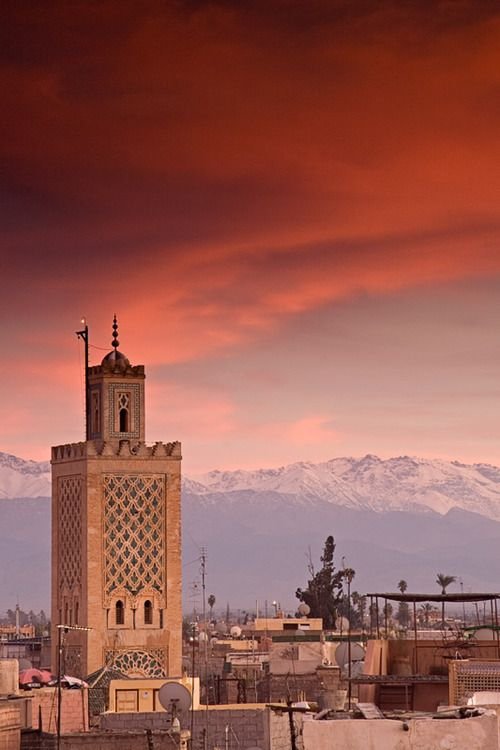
(21, 478)
(369, 483)
(396, 518)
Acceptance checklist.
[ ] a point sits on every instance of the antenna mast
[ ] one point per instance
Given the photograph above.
(84, 335)
(203, 558)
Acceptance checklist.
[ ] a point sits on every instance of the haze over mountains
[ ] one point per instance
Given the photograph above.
(396, 518)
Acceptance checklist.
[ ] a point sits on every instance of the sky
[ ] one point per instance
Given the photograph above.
(292, 208)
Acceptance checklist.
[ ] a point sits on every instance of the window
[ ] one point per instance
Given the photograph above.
(148, 613)
(76, 613)
(95, 413)
(124, 411)
(119, 613)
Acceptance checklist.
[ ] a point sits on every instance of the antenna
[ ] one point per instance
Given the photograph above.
(203, 559)
(84, 335)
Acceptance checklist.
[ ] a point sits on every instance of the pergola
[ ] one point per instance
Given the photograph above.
(415, 599)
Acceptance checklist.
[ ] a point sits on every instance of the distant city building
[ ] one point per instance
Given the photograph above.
(11, 632)
(116, 557)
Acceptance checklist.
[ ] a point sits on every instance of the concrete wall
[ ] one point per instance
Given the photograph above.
(423, 734)
(9, 677)
(280, 733)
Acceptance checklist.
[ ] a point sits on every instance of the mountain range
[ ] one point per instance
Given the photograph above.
(402, 517)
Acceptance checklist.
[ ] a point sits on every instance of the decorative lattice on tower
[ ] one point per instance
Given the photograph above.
(70, 532)
(134, 533)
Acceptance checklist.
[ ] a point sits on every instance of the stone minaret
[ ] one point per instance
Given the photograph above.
(116, 546)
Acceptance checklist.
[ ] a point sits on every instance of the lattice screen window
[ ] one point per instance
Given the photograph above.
(70, 532)
(469, 676)
(134, 532)
(149, 663)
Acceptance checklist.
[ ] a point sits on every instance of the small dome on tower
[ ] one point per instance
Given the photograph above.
(115, 360)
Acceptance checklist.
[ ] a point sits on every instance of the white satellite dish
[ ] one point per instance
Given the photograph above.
(342, 653)
(304, 609)
(174, 697)
(235, 631)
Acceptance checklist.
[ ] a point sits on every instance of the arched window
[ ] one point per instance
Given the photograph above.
(119, 613)
(148, 613)
(124, 411)
(124, 420)
(76, 613)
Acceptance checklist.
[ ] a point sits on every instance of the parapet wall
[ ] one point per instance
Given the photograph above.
(105, 449)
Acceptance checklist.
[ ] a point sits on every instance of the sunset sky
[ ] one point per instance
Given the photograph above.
(292, 206)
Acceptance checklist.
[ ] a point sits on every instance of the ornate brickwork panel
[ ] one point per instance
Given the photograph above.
(126, 395)
(150, 663)
(134, 534)
(70, 532)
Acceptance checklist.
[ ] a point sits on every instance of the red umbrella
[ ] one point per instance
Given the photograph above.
(34, 676)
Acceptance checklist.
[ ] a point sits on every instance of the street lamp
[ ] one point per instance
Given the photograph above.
(61, 630)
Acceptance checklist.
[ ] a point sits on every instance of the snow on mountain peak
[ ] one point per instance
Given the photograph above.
(396, 484)
(23, 478)
(402, 483)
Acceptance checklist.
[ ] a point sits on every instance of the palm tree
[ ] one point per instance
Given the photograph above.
(425, 610)
(211, 602)
(403, 610)
(444, 581)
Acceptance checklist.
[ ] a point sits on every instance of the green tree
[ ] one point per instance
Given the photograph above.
(444, 581)
(324, 590)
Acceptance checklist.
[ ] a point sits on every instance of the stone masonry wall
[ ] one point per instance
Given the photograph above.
(139, 740)
(10, 727)
(247, 727)
(74, 710)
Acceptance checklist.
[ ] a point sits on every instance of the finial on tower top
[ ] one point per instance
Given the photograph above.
(115, 343)
(115, 361)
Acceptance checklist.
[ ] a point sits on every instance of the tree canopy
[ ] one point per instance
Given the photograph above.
(324, 590)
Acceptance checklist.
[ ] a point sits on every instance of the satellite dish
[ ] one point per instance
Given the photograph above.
(173, 695)
(342, 653)
(304, 609)
(235, 631)
(341, 623)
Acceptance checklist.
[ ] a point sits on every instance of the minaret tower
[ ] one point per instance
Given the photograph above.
(116, 555)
